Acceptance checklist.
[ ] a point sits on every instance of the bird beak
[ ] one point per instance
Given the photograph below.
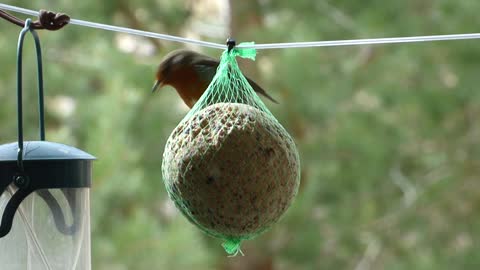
(158, 84)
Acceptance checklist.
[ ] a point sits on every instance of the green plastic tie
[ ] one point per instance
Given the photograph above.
(232, 247)
(249, 53)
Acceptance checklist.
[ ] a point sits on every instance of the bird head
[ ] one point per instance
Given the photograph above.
(172, 63)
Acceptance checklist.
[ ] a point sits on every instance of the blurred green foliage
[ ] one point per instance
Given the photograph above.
(388, 134)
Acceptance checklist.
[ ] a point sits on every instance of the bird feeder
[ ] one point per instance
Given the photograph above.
(44, 194)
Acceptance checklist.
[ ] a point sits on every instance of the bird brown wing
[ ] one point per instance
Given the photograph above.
(207, 68)
(260, 90)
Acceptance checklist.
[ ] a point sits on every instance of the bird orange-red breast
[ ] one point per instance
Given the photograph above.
(190, 73)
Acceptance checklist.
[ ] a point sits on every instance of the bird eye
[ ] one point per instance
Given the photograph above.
(164, 69)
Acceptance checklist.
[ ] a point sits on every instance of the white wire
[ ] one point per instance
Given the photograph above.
(121, 29)
(327, 43)
(147, 34)
(367, 41)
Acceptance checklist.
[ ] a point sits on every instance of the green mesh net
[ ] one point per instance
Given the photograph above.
(229, 166)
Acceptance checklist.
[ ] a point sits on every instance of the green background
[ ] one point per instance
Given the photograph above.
(388, 134)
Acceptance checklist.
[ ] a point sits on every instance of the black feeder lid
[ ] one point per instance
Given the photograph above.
(42, 150)
(46, 165)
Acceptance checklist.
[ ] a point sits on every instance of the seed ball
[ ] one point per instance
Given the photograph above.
(235, 177)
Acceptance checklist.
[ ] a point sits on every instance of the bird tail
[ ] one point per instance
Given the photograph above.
(260, 90)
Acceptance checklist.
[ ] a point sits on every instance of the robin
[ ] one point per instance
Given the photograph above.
(190, 73)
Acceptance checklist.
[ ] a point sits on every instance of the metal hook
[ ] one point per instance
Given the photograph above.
(28, 28)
